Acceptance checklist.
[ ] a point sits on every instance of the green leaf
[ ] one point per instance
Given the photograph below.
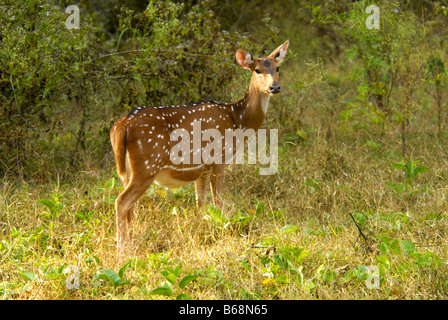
(29, 276)
(400, 165)
(420, 169)
(302, 255)
(395, 247)
(47, 203)
(383, 248)
(84, 215)
(61, 268)
(240, 220)
(407, 246)
(359, 218)
(331, 276)
(186, 280)
(164, 289)
(217, 215)
(110, 276)
(361, 272)
(348, 276)
(316, 10)
(373, 145)
(183, 296)
(246, 265)
(398, 187)
(178, 269)
(101, 276)
(363, 89)
(289, 228)
(123, 269)
(110, 200)
(171, 277)
(281, 280)
(109, 184)
(320, 272)
(281, 261)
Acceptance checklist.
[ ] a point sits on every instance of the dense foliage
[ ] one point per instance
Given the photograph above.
(62, 88)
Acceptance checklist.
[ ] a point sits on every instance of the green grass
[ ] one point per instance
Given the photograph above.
(285, 236)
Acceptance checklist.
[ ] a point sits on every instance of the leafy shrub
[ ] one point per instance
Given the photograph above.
(61, 89)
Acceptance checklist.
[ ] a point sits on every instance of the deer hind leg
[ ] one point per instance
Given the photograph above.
(127, 177)
(200, 186)
(125, 203)
(216, 184)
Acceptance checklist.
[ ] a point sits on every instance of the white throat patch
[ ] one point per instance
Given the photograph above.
(264, 102)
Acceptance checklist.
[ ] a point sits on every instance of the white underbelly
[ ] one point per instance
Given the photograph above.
(165, 179)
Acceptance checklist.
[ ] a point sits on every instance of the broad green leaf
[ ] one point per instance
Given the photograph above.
(407, 246)
(383, 248)
(111, 276)
(52, 276)
(169, 276)
(109, 184)
(217, 215)
(400, 165)
(281, 261)
(183, 296)
(61, 269)
(101, 276)
(178, 269)
(311, 284)
(246, 265)
(395, 247)
(383, 260)
(281, 280)
(186, 280)
(29, 276)
(164, 289)
(331, 276)
(361, 272)
(420, 169)
(46, 202)
(348, 276)
(110, 200)
(289, 228)
(359, 218)
(302, 255)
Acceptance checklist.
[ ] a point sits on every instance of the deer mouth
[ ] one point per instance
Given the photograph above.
(274, 89)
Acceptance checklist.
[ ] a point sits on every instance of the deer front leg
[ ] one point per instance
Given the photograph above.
(200, 186)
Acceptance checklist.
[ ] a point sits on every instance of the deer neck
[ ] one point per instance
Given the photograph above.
(251, 110)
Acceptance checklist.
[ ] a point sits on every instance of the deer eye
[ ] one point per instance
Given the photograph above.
(257, 71)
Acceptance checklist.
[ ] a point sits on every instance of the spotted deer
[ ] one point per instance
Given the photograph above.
(142, 141)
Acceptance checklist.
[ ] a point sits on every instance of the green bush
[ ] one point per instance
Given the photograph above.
(61, 89)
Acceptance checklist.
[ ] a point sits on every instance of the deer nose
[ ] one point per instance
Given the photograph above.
(275, 87)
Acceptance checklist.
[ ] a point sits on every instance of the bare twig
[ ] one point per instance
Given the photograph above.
(359, 228)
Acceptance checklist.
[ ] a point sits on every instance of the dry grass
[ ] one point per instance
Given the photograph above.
(319, 184)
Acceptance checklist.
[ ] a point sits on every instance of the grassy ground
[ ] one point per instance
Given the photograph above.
(289, 236)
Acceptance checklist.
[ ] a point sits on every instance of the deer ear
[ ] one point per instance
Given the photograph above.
(244, 58)
(279, 54)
